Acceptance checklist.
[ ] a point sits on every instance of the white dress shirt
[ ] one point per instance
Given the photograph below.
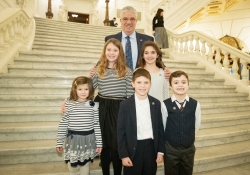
(134, 46)
(143, 118)
(197, 112)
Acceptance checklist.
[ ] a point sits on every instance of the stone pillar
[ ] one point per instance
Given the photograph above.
(49, 13)
(106, 21)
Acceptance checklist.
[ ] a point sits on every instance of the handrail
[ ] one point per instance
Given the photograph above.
(17, 32)
(208, 50)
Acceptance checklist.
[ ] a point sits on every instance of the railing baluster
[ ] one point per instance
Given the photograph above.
(225, 62)
(217, 57)
(235, 67)
(210, 53)
(244, 72)
(191, 45)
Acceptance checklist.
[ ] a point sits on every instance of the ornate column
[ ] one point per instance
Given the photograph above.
(49, 13)
(106, 21)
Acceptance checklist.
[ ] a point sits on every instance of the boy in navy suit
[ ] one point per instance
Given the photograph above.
(181, 118)
(140, 129)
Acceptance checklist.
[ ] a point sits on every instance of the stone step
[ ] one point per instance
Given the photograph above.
(7, 100)
(219, 156)
(63, 53)
(47, 130)
(28, 131)
(67, 79)
(222, 135)
(49, 72)
(214, 108)
(77, 27)
(225, 119)
(55, 59)
(60, 168)
(59, 38)
(75, 41)
(65, 59)
(241, 169)
(67, 44)
(206, 158)
(83, 66)
(19, 88)
(69, 34)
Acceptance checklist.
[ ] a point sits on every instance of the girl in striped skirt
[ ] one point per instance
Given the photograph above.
(80, 126)
(113, 79)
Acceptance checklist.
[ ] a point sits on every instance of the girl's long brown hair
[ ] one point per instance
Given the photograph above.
(120, 65)
(142, 62)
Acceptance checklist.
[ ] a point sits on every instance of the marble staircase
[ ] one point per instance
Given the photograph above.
(32, 91)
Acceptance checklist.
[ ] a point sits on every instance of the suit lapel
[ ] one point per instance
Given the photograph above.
(119, 36)
(139, 45)
(152, 112)
(133, 111)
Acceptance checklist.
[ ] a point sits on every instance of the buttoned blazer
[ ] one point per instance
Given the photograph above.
(127, 127)
(141, 38)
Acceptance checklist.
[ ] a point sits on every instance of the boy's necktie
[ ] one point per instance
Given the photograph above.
(128, 53)
(182, 103)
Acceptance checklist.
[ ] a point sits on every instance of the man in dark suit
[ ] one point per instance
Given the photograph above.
(128, 23)
(140, 129)
(112, 22)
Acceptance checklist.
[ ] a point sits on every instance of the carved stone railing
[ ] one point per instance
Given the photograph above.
(17, 32)
(199, 46)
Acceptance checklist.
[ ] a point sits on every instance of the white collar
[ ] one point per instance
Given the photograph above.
(173, 98)
(131, 36)
(139, 102)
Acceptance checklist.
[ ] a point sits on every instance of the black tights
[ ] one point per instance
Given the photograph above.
(110, 155)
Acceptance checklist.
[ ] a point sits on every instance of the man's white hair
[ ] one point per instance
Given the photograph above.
(128, 9)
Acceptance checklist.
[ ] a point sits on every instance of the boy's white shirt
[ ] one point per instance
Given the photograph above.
(173, 99)
(142, 110)
(143, 117)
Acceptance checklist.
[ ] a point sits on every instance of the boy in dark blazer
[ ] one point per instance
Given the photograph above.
(140, 129)
(181, 117)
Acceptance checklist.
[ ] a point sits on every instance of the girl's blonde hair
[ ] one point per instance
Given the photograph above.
(142, 62)
(80, 81)
(120, 65)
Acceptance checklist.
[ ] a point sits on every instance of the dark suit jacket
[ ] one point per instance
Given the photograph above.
(141, 38)
(127, 127)
(112, 23)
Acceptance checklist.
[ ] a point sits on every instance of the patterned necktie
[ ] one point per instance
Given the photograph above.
(182, 103)
(128, 53)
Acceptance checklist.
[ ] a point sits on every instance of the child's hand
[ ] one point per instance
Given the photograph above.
(167, 73)
(98, 150)
(127, 162)
(59, 150)
(159, 158)
(63, 109)
(92, 71)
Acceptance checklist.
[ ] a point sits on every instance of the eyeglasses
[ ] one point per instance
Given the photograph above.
(129, 19)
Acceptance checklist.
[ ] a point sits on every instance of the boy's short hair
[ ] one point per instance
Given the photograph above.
(141, 72)
(177, 74)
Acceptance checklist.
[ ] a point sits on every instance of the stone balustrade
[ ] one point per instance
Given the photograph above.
(17, 31)
(207, 50)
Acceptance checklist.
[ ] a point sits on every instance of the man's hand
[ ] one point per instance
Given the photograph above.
(159, 158)
(127, 162)
(98, 150)
(92, 71)
(63, 109)
(167, 73)
(59, 150)
(153, 32)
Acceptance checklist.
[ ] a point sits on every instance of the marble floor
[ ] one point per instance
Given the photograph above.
(60, 168)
